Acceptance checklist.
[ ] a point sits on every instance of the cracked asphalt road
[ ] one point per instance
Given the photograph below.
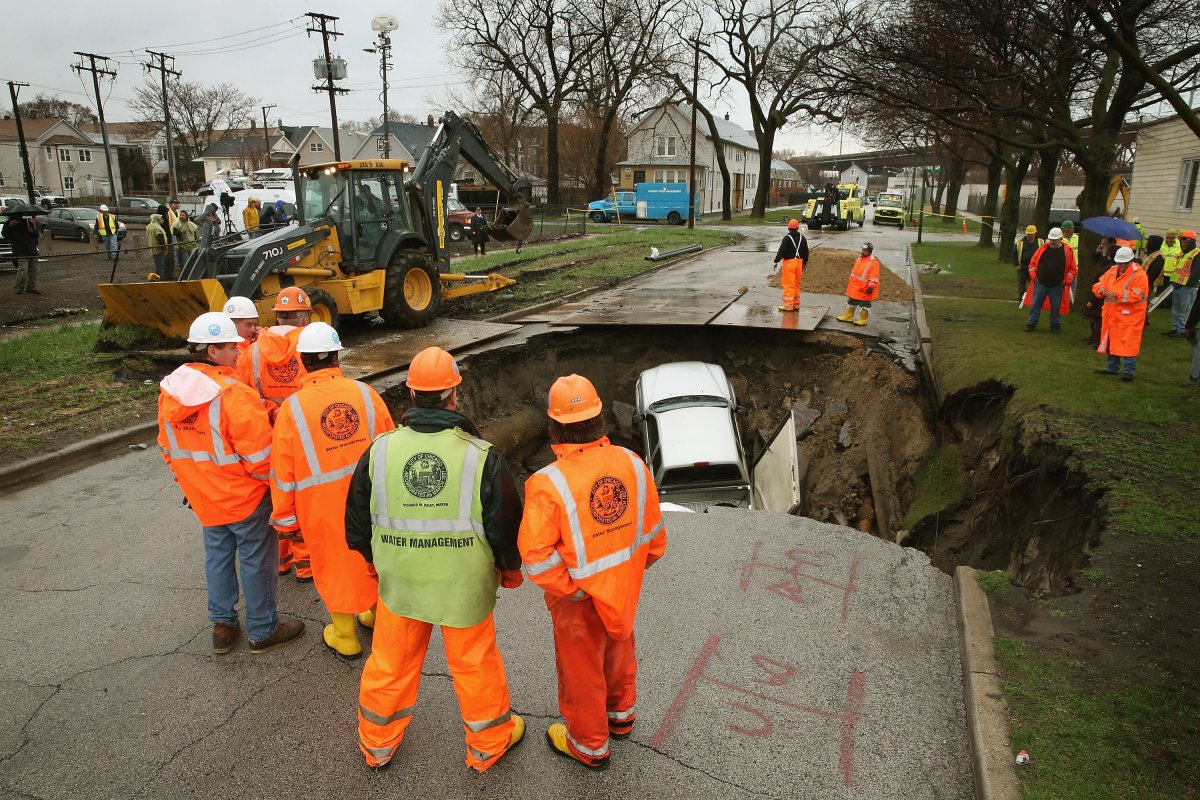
(780, 658)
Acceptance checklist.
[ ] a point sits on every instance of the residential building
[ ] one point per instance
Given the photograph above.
(785, 180)
(63, 159)
(243, 148)
(1166, 169)
(659, 147)
(408, 141)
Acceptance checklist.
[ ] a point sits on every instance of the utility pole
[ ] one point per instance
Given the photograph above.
(114, 190)
(324, 20)
(266, 138)
(13, 86)
(692, 159)
(163, 71)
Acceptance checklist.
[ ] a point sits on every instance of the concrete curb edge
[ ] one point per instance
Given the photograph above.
(924, 336)
(987, 712)
(14, 477)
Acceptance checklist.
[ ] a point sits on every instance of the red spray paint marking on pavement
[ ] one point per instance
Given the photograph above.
(848, 716)
(794, 590)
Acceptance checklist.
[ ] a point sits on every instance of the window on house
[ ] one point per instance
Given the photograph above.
(670, 176)
(68, 182)
(1187, 183)
(64, 155)
(49, 153)
(85, 155)
(316, 147)
(665, 145)
(1, 178)
(160, 153)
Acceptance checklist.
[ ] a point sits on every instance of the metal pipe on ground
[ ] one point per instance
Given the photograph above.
(681, 251)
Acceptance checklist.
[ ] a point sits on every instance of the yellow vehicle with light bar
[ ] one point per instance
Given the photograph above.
(840, 206)
(372, 239)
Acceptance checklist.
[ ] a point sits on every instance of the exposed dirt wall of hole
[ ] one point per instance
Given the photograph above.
(848, 398)
(1029, 510)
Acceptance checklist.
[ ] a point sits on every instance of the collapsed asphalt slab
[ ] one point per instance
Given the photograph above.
(780, 657)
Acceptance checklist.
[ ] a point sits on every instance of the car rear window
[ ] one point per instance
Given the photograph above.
(701, 473)
(689, 401)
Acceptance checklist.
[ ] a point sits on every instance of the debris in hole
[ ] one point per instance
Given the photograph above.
(837, 408)
(623, 412)
(805, 417)
(844, 440)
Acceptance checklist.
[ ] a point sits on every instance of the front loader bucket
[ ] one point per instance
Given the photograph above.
(513, 224)
(166, 306)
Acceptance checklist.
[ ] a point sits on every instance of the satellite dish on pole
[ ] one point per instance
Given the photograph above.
(384, 23)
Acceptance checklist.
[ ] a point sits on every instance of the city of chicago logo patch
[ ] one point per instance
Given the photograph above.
(425, 475)
(608, 500)
(285, 372)
(339, 421)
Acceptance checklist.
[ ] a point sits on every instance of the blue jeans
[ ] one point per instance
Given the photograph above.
(110, 245)
(253, 543)
(1040, 293)
(1181, 303)
(1114, 364)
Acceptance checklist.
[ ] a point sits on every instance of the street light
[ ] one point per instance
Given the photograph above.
(383, 24)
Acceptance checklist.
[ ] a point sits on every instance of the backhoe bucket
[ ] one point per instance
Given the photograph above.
(166, 306)
(513, 224)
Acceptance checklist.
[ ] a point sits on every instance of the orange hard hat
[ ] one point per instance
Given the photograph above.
(1188, 235)
(293, 298)
(573, 399)
(793, 224)
(433, 370)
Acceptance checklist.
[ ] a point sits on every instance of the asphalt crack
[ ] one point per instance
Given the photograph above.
(705, 773)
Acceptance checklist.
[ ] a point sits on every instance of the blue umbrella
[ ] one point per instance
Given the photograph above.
(1111, 226)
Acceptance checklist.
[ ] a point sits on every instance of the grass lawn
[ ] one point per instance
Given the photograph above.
(1094, 731)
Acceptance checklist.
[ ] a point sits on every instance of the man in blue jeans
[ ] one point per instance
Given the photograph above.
(1051, 271)
(106, 231)
(1186, 279)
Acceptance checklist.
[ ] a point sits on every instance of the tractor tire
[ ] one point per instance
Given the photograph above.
(455, 233)
(673, 218)
(843, 225)
(324, 308)
(598, 217)
(412, 292)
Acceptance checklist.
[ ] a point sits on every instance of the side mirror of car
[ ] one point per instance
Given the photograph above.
(638, 418)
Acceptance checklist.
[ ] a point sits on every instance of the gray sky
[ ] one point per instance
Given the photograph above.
(261, 47)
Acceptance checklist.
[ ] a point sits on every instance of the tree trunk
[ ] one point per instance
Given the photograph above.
(1093, 200)
(935, 202)
(1010, 214)
(1047, 172)
(600, 178)
(766, 145)
(955, 173)
(995, 169)
(553, 191)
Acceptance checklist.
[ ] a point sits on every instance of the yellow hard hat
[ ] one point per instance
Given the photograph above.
(1031, 228)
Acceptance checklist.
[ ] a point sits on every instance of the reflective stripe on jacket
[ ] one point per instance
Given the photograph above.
(271, 364)
(1124, 312)
(215, 436)
(1171, 254)
(591, 526)
(106, 224)
(1185, 267)
(427, 536)
(864, 279)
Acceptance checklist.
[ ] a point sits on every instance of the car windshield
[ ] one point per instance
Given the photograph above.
(455, 205)
(843, 193)
(85, 213)
(689, 401)
(889, 203)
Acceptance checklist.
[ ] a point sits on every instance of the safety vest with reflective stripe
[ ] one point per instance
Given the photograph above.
(1184, 267)
(271, 364)
(106, 224)
(219, 450)
(590, 526)
(1171, 254)
(864, 279)
(427, 539)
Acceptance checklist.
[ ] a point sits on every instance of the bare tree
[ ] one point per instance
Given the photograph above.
(198, 112)
(44, 106)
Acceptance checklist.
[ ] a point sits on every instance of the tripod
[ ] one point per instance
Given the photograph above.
(228, 228)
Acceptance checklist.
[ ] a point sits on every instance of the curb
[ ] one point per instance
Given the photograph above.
(924, 335)
(15, 477)
(987, 713)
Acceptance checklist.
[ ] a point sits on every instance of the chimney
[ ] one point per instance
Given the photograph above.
(429, 120)
(727, 116)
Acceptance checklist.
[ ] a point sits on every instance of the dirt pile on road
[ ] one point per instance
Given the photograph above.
(828, 269)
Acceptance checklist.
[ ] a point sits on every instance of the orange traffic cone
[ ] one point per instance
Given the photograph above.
(964, 227)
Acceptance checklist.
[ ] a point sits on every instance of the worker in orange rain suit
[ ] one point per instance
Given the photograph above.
(1123, 289)
(215, 437)
(320, 433)
(1051, 272)
(591, 527)
(244, 314)
(273, 368)
(863, 286)
(436, 510)
(793, 252)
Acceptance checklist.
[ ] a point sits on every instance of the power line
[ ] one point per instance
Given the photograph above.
(326, 21)
(163, 72)
(96, 73)
(206, 41)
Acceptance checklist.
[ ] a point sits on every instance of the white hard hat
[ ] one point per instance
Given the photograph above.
(240, 308)
(1124, 255)
(213, 328)
(1055, 233)
(318, 337)
(103, 207)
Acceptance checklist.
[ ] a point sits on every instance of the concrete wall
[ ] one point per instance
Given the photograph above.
(1157, 170)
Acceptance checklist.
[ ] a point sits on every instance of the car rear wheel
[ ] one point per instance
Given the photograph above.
(674, 218)
(455, 233)
(598, 216)
(412, 292)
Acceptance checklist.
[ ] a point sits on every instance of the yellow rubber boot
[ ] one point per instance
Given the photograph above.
(863, 314)
(341, 638)
(367, 618)
(556, 737)
(847, 315)
(514, 739)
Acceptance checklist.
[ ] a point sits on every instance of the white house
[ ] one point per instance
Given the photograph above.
(1166, 169)
(63, 159)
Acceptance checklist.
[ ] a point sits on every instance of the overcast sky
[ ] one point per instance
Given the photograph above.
(261, 47)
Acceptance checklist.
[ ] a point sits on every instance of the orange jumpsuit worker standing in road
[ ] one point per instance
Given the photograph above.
(1124, 289)
(215, 437)
(591, 527)
(793, 252)
(436, 510)
(863, 286)
(320, 433)
(272, 366)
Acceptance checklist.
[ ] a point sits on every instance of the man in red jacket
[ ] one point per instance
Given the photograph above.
(1051, 272)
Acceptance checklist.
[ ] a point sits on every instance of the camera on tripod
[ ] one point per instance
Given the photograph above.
(226, 201)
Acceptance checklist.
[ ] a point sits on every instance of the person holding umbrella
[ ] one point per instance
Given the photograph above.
(21, 233)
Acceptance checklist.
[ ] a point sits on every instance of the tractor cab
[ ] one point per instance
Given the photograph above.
(365, 199)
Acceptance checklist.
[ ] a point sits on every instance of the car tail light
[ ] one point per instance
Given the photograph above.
(701, 464)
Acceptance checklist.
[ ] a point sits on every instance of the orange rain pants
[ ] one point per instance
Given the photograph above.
(793, 272)
(597, 677)
(388, 692)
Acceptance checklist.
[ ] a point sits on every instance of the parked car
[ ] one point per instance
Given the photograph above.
(138, 204)
(688, 414)
(49, 201)
(6, 256)
(73, 223)
(8, 201)
(458, 220)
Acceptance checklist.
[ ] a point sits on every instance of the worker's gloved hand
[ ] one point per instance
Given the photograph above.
(775, 266)
(511, 578)
(295, 536)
